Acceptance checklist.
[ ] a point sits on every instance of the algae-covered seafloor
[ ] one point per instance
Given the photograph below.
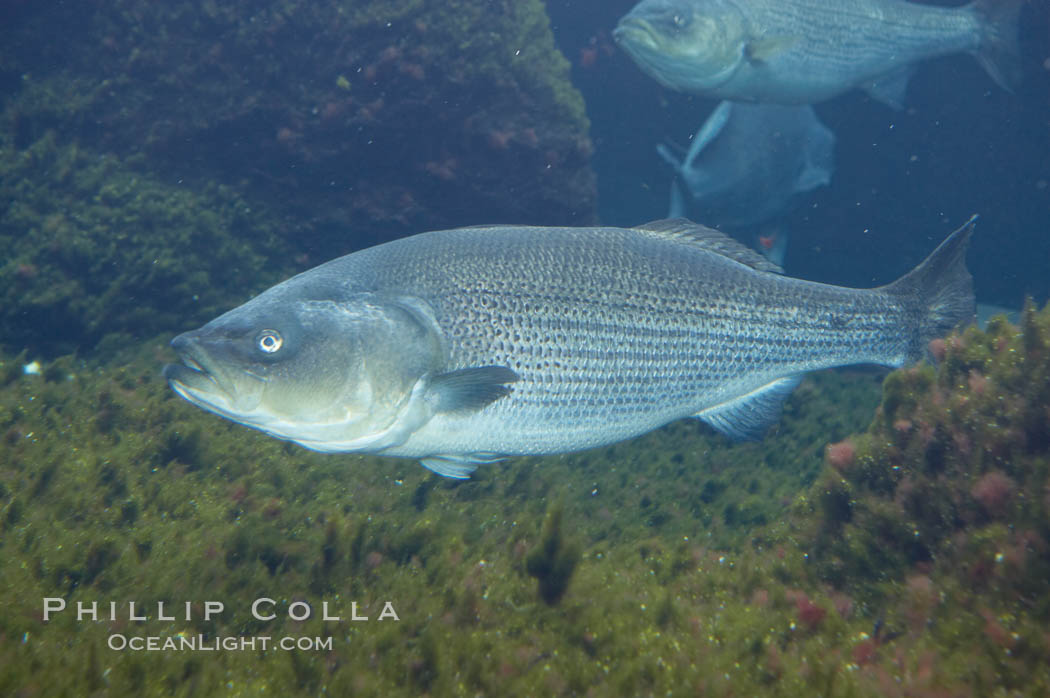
(910, 559)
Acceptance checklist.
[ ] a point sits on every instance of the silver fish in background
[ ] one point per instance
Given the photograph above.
(460, 347)
(806, 51)
(749, 163)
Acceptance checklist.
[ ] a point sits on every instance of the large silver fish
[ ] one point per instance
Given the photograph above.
(749, 162)
(805, 51)
(463, 346)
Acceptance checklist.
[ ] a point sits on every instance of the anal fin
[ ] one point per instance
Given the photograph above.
(891, 88)
(748, 416)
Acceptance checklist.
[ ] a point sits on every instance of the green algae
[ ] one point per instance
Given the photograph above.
(554, 559)
(486, 43)
(375, 15)
(97, 248)
(948, 492)
(197, 90)
(113, 489)
(115, 135)
(700, 565)
(939, 434)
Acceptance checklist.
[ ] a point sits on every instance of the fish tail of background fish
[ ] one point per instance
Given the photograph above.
(999, 51)
(939, 292)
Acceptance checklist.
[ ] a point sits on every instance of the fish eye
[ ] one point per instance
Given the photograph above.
(269, 341)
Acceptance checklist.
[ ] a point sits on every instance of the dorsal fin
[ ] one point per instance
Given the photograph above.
(710, 239)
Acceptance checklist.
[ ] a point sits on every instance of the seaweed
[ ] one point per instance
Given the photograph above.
(554, 559)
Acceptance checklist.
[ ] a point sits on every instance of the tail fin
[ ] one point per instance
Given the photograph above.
(939, 291)
(999, 51)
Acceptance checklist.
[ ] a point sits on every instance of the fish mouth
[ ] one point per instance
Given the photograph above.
(194, 378)
(634, 30)
(206, 380)
(189, 373)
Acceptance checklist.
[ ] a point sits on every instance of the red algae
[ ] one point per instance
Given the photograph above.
(921, 600)
(977, 382)
(947, 511)
(843, 604)
(810, 614)
(841, 455)
(389, 54)
(499, 139)
(995, 631)
(588, 57)
(994, 491)
(413, 70)
(760, 598)
(938, 349)
(287, 137)
(956, 343)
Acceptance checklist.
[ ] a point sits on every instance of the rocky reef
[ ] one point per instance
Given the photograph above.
(374, 116)
(953, 453)
(308, 130)
(100, 254)
(939, 514)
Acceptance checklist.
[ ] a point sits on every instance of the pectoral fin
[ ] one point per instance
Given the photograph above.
(470, 388)
(669, 157)
(708, 132)
(761, 50)
(748, 416)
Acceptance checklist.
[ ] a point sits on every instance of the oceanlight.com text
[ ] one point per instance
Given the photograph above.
(199, 643)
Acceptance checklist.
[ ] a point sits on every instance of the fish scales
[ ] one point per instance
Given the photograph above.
(605, 325)
(805, 51)
(840, 34)
(463, 346)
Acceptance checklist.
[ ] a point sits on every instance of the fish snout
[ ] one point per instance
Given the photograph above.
(192, 369)
(188, 347)
(627, 26)
(181, 344)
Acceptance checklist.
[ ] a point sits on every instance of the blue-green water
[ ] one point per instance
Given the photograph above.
(162, 162)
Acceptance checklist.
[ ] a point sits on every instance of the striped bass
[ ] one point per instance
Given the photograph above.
(461, 347)
(806, 51)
